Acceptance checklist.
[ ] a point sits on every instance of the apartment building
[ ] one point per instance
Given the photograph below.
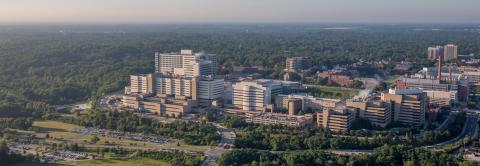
(409, 105)
(335, 120)
(186, 63)
(293, 64)
(378, 112)
(450, 52)
(435, 52)
(142, 83)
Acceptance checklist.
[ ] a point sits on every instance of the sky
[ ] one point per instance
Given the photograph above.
(436, 11)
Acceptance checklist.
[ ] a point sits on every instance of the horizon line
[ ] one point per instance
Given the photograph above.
(231, 22)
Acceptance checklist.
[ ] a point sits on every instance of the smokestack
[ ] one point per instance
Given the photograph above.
(450, 73)
(439, 76)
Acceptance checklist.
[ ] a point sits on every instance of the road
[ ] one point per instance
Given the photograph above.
(469, 130)
(341, 152)
(228, 136)
(349, 152)
(446, 122)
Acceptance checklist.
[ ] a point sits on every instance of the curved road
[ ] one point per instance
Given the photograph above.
(469, 130)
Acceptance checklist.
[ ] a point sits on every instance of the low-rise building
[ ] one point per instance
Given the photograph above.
(449, 74)
(402, 67)
(161, 106)
(308, 102)
(339, 78)
(472, 76)
(459, 91)
(280, 119)
(442, 98)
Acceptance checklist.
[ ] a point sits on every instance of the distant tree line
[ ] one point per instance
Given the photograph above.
(43, 66)
(175, 158)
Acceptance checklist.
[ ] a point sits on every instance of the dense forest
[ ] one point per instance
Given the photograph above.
(43, 65)
(282, 138)
(385, 155)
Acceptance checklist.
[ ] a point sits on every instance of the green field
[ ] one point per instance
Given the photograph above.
(120, 162)
(60, 131)
(55, 125)
(331, 92)
(105, 162)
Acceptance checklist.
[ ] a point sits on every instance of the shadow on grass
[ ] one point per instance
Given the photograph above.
(48, 129)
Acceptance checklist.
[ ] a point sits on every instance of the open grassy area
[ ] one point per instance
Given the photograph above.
(120, 162)
(331, 92)
(60, 131)
(184, 146)
(55, 125)
(32, 163)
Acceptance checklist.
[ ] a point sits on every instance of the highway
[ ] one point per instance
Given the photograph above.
(446, 122)
(469, 130)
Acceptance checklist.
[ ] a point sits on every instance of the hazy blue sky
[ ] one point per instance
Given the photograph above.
(240, 10)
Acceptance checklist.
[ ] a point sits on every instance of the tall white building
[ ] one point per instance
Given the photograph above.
(180, 87)
(142, 83)
(450, 52)
(259, 94)
(186, 63)
(253, 96)
(210, 88)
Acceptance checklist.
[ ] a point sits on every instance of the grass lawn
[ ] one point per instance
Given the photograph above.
(332, 92)
(59, 131)
(184, 146)
(32, 163)
(55, 125)
(120, 162)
